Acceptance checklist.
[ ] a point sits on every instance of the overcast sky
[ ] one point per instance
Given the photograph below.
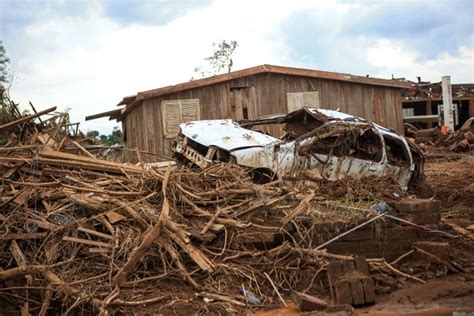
(87, 55)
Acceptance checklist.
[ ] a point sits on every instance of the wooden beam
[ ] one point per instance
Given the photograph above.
(26, 118)
(103, 114)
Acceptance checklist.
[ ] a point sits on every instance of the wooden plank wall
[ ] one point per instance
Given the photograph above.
(379, 104)
(265, 94)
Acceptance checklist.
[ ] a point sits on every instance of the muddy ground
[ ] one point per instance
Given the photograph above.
(450, 179)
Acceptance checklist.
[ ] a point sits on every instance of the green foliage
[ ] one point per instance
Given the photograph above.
(222, 57)
(93, 134)
(4, 73)
(115, 138)
(220, 60)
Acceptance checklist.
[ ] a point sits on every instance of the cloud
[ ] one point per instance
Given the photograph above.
(384, 38)
(389, 56)
(88, 62)
(87, 55)
(157, 12)
(430, 27)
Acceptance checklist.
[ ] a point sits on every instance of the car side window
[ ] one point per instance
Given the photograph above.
(365, 146)
(397, 152)
(368, 146)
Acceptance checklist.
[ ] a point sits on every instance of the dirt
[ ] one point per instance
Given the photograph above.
(450, 179)
(384, 188)
(451, 292)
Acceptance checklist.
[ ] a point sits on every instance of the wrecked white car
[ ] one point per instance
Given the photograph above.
(317, 144)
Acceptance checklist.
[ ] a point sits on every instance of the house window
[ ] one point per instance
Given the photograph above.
(300, 100)
(175, 112)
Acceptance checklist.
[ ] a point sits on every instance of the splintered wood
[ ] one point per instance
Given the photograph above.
(80, 227)
(79, 232)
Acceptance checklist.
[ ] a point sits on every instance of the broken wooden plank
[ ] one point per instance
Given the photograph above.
(82, 149)
(26, 118)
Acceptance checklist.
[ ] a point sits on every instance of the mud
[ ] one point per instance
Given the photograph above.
(453, 292)
(449, 179)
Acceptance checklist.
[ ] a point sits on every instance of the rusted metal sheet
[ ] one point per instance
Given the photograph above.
(334, 146)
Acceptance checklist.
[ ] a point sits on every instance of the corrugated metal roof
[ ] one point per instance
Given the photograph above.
(133, 101)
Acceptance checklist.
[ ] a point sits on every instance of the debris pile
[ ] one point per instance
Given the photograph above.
(113, 235)
(78, 232)
(426, 89)
(461, 140)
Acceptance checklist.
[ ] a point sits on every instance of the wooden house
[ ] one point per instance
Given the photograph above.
(150, 119)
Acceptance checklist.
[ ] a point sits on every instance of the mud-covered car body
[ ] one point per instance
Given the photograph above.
(318, 144)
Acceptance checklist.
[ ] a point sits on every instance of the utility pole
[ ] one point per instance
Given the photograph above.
(448, 116)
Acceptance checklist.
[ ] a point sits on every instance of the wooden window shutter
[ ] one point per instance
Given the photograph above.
(189, 110)
(175, 112)
(300, 100)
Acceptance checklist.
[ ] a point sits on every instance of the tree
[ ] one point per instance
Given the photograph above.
(115, 138)
(92, 134)
(4, 73)
(220, 60)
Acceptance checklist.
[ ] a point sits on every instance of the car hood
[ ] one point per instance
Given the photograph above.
(225, 134)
